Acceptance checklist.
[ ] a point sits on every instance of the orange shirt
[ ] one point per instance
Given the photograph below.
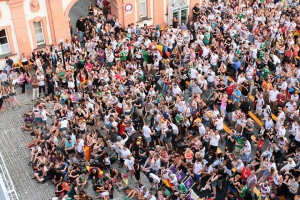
(65, 186)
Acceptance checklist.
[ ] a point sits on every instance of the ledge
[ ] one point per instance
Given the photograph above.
(144, 20)
(2, 57)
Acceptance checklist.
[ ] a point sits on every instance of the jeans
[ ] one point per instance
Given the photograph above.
(28, 86)
(62, 101)
(80, 35)
(35, 92)
(165, 87)
(42, 88)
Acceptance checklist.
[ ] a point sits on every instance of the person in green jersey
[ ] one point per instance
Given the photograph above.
(206, 38)
(239, 144)
(265, 72)
(242, 190)
(145, 59)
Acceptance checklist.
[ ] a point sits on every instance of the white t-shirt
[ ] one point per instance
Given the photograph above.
(80, 146)
(215, 141)
(197, 168)
(129, 163)
(146, 131)
(247, 147)
(44, 115)
(273, 95)
(41, 79)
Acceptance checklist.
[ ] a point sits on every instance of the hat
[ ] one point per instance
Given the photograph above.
(125, 175)
(119, 138)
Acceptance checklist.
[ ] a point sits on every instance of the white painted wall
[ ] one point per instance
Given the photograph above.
(65, 4)
(41, 13)
(6, 20)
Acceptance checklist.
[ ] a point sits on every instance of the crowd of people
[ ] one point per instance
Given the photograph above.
(164, 101)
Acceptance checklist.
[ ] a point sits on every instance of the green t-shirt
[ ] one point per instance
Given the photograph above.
(243, 191)
(239, 142)
(179, 119)
(123, 55)
(265, 72)
(145, 56)
(206, 38)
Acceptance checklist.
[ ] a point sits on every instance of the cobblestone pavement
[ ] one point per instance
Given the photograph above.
(16, 157)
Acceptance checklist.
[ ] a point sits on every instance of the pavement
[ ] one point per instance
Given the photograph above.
(16, 157)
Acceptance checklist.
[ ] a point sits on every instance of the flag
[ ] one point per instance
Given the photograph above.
(189, 182)
(173, 169)
(180, 176)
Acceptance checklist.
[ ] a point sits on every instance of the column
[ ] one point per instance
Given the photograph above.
(159, 13)
(58, 25)
(20, 26)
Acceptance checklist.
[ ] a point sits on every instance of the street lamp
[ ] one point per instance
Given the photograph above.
(63, 53)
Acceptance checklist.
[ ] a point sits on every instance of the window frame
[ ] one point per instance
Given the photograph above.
(42, 28)
(8, 42)
(145, 6)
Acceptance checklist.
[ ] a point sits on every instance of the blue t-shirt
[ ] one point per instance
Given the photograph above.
(69, 145)
(238, 93)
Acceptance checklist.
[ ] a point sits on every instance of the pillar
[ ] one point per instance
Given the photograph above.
(159, 13)
(20, 26)
(58, 24)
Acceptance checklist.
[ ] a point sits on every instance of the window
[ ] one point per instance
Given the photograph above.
(175, 1)
(143, 8)
(39, 33)
(4, 43)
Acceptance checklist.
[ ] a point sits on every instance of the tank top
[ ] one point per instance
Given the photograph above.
(24, 59)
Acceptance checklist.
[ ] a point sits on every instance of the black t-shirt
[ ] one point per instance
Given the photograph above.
(169, 134)
(195, 9)
(241, 71)
(277, 154)
(139, 103)
(51, 85)
(230, 107)
(221, 172)
(80, 25)
(228, 164)
(245, 107)
(229, 143)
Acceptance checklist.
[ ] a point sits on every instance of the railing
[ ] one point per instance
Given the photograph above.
(6, 182)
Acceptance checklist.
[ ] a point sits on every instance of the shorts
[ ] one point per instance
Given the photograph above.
(15, 81)
(38, 120)
(214, 148)
(139, 111)
(233, 190)
(214, 184)
(197, 177)
(25, 63)
(167, 140)
(148, 139)
(44, 122)
(63, 129)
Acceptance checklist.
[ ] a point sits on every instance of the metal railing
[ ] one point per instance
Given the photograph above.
(6, 182)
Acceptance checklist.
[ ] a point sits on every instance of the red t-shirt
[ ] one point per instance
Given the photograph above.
(244, 171)
(121, 128)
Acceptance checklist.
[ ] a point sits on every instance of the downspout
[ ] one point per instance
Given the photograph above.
(51, 21)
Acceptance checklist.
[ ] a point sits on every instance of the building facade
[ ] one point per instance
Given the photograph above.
(27, 25)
